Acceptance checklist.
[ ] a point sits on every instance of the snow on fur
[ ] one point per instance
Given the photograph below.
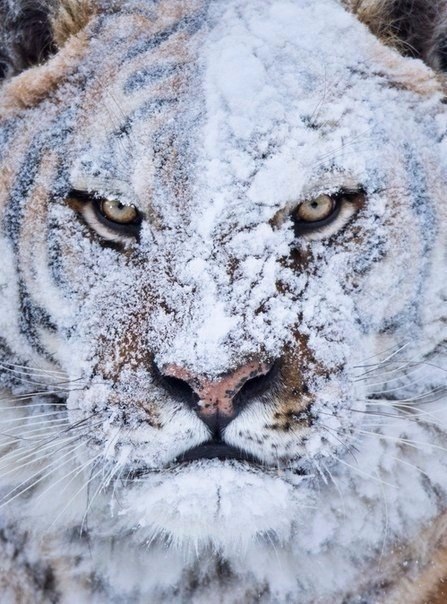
(216, 120)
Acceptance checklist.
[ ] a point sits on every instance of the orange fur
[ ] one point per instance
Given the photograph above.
(70, 17)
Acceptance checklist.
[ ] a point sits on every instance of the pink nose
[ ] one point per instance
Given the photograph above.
(214, 400)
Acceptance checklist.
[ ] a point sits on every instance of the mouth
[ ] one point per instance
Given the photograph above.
(217, 450)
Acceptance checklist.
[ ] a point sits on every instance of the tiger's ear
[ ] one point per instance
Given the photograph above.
(417, 28)
(26, 37)
(33, 30)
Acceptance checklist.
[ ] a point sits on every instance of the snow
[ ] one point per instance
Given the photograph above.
(275, 103)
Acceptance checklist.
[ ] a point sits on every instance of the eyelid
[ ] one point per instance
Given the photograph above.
(324, 229)
(347, 209)
(87, 204)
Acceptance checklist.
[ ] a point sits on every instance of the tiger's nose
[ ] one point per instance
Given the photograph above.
(218, 401)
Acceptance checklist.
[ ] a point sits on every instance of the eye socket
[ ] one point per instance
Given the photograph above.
(115, 211)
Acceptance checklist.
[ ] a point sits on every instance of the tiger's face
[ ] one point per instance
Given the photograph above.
(223, 224)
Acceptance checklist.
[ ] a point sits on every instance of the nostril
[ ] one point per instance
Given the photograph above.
(258, 385)
(180, 389)
(176, 387)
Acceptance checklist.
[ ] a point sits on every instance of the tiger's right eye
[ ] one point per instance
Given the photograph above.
(315, 210)
(325, 214)
(114, 210)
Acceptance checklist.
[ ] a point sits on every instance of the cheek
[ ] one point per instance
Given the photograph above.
(392, 283)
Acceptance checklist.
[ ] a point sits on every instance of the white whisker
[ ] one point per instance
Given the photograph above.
(6, 365)
(55, 465)
(405, 441)
(30, 417)
(33, 405)
(363, 473)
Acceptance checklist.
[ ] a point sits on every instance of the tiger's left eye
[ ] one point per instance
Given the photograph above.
(315, 210)
(115, 211)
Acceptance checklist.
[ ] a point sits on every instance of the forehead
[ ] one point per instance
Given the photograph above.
(246, 105)
(214, 117)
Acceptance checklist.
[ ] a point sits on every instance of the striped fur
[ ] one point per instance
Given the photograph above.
(159, 104)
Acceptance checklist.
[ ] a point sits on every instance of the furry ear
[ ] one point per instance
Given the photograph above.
(69, 17)
(32, 30)
(417, 28)
(26, 37)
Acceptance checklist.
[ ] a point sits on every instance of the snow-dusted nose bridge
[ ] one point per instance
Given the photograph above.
(225, 307)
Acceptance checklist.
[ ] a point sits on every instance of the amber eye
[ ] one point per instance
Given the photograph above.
(114, 210)
(325, 214)
(315, 210)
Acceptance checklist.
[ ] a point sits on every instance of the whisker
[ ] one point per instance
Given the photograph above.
(410, 465)
(6, 365)
(363, 473)
(38, 440)
(76, 473)
(408, 363)
(406, 414)
(404, 386)
(12, 494)
(390, 356)
(110, 445)
(57, 447)
(29, 378)
(405, 441)
(408, 402)
(42, 444)
(31, 427)
(34, 427)
(29, 395)
(32, 405)
(101, 486)
(24, 453)
(30, 417)
(344, 445)
(400, 375)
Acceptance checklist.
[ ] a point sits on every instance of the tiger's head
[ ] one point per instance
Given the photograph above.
(222, 242)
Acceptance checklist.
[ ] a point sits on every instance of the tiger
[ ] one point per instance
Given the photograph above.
(223, 301)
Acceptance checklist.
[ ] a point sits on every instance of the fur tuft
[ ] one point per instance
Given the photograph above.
(26, 38)
(70, 17)
(32, 30)
(416, 28)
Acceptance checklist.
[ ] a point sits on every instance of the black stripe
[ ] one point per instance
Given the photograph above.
(149, 75)
(421, 202)
(32, 316)
(52, 137)
(146, 110)
(19, 192)
(8, 130)
(424, 213)
(190, 24)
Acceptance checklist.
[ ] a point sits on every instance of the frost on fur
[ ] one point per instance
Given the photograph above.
(222, 322)
(32, 30)
(417, 28)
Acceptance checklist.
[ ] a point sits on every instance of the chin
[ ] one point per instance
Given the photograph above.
(227, 506)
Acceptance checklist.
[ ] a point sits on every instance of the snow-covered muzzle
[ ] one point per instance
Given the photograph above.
(223, 262)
